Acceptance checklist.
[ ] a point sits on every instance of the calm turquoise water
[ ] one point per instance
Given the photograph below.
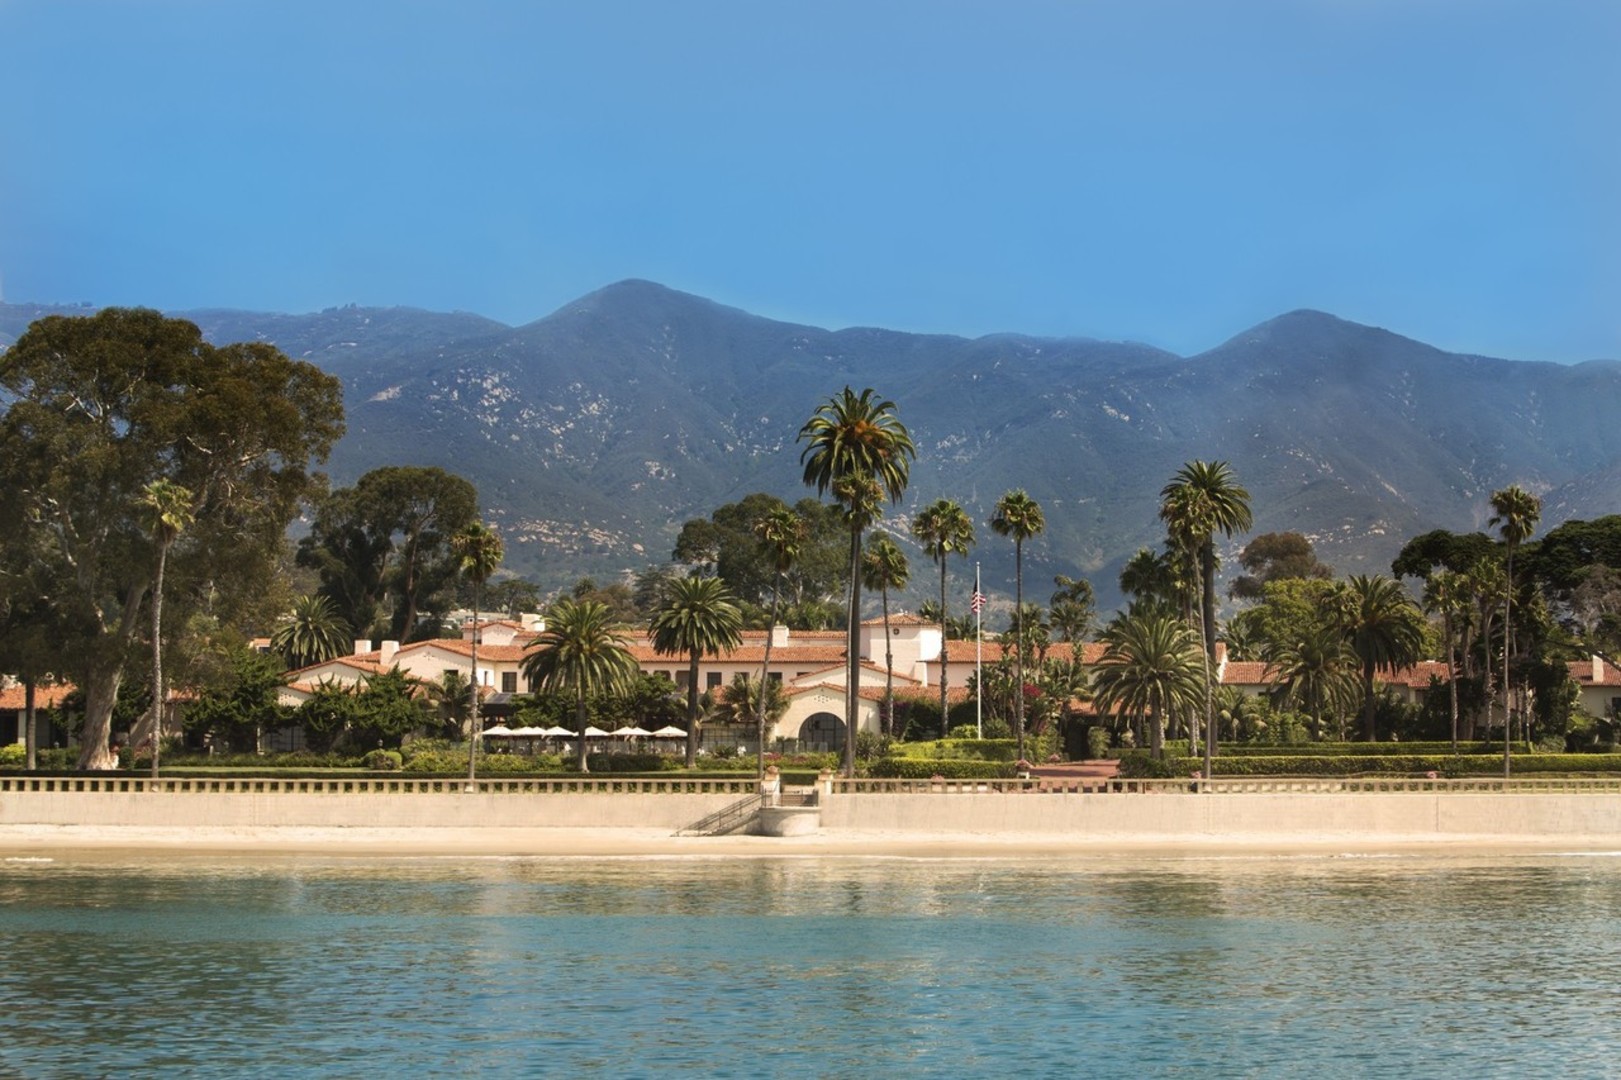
(1404, 966)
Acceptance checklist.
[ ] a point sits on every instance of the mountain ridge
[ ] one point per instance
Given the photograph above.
(594, 431)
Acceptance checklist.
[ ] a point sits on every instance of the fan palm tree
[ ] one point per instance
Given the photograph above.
(698, 615)
(1019, 516)
(747, 699)
(581, 653)
(884, 567)
(311, 633)
(1147, 578)
(1190, 520)
(1445, 595)
(1319, 673)
(170, 507)
(1515, 512)
(452, 697)
(1484, 582)
(1384, 628)
(783, 532)
(944, 529)
(1150, 668)
(478, 552)
(852, 439)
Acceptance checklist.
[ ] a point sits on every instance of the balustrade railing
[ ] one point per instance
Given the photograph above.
(190, 785)
(1246, 785)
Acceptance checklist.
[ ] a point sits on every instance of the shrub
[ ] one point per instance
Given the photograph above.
(948, 768)
(1140, 765)
(384, 761)
(1097, 742)
(13, 756)
(615, 763)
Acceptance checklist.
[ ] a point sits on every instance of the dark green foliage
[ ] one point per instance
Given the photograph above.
(904, 768)
(638, 763)
(384, 761)
(380, 712)
(231, 716)
(726, 545)
(1457, 552)
(1276, 556)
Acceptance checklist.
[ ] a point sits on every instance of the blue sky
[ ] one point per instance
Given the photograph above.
(1167, 171)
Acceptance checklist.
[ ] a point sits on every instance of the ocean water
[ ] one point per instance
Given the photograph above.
(812, 966)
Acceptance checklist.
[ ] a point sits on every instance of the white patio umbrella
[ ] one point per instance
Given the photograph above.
(630, 731)
(529, 733)
(558, 732)
(498, 731)
(669, 732)
(595, 733)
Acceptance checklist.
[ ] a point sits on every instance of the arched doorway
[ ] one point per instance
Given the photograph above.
(822, 732)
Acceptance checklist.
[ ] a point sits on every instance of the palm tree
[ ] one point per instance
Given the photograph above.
(1071, 608)
(1201, 500)
(944, 528)
(1222, 506)
(311, 633)
(854, 438)
(884, 567)
(479, 552)
(452, 697)
(1150, 668)
(1384, 628)
(1484, 581)
(698, 615)
(1019, 516)
(1318, 670)
(783, 532)
(1147, 578)
(749, 699)
(170, 505)
(1444, 595)
(1515, 512)
(580, 651)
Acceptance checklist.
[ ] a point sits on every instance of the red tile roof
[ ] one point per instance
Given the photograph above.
(45, 697)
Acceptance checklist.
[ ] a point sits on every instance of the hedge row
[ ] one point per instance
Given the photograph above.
(1356, 749)
(957, 749)
(1388, 765)
(896, 768)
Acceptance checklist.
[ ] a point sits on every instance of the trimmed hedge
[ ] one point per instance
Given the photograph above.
(908, 768)
(1387, 765)
(957, 749)
(1355, 749)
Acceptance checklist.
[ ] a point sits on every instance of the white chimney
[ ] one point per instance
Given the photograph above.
(779, 636)
(362, 646)
(1598, 670)
(389, 649)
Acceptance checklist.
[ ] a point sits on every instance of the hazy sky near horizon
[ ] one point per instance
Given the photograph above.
(1167, 171)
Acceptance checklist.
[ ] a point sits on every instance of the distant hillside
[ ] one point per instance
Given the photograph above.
(594, 432)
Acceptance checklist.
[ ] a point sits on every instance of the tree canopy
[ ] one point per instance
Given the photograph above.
(104, 405)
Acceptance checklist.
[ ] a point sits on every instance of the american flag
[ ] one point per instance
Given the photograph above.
(977, 604)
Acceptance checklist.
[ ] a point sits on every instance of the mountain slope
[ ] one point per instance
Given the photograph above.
(594, 432)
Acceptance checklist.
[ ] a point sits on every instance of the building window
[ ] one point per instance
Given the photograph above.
(712, 679)
(682, 679)
(509, 682)
(449, 671)
(774, 676)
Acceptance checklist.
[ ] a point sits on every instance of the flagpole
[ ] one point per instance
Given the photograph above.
(979, 670)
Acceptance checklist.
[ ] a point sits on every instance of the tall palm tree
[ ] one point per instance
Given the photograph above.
(698, 615)
(170, 507)
(1150, 668)
(1484, 582)
(1019, 516)
(580, 652)
(312, 632)
(1515, 512)
(944, 529)
(1444, 595)
(1189, 520)
(1319, 672)
(1385, 630)
(854, 438)
(783, 532)
(884, 567)
(1212, 501)
(479, 552)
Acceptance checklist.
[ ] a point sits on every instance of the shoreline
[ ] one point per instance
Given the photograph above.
(30, 842)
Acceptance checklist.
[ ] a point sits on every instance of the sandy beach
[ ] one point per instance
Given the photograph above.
(32, 841)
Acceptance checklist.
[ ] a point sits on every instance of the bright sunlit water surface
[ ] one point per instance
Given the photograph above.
(815, 966)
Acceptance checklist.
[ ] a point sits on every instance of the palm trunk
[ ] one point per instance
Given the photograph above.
(1368, 719)
(945, 726)
(852, 696)
(157, 660)
(581, 765)
(692, 712)
(1452, 676)
(888, 719)
(1508, 647)
(765, 673)
(1018, 634)
(1207, 570)
(31, 735)
(475, 730)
